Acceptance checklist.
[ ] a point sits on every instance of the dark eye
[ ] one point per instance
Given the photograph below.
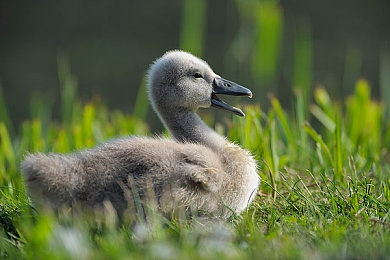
(197, 75)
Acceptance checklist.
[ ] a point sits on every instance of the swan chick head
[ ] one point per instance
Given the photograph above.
(180, 80)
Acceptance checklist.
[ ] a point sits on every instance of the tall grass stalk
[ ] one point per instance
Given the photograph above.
(193, 26)
(384, 77)
(7, 155)
(68, 88)
(352, 68)
(268, 21)
(4, 116)
(141, 103)
(303, 58)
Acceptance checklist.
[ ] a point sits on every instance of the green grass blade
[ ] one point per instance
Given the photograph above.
(318, 138)
(88, 125)
(338, 156)
(7, 155)
(301, 115)
(286, 126)
(323, 118)
(274, 153)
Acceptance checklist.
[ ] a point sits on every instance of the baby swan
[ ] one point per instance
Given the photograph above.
(197, 172)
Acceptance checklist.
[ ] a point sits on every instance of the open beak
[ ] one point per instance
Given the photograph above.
(226, 87)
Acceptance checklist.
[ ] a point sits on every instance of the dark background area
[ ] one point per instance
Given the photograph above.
(110, 45)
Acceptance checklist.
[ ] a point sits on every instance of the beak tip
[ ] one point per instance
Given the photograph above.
(239, 112)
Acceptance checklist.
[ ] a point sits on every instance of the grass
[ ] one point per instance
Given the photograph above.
(325, 189)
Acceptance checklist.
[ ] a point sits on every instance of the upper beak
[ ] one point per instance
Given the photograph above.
(226, 87)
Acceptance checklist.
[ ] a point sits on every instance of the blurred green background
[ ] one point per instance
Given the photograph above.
(269, 46)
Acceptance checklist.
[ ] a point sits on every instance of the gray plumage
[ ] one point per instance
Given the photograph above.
(198, 171)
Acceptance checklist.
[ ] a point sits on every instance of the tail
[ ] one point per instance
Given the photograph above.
(51, 178)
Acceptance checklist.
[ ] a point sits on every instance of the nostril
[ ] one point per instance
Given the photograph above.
(227, 85)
